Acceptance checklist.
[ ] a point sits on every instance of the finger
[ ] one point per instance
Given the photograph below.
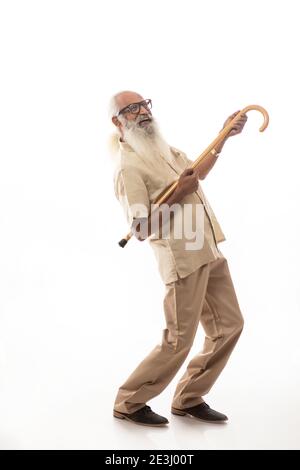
(188, 172)
(192, 178)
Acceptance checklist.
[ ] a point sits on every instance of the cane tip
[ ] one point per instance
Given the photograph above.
(122, 242)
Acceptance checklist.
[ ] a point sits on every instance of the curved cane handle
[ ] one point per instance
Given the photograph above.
(228, 128)
(256, 107)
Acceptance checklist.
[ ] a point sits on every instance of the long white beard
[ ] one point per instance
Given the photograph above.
(147, 141)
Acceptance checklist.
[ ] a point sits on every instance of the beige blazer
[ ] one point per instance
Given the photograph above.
(138, 182)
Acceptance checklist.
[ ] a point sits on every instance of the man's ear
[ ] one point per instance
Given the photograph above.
(116, 121)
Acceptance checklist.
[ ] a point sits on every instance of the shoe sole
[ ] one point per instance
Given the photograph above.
(176, 411)
(119, 415)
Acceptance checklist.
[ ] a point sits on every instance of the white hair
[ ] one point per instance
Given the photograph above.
(113, 139)
(113, 107)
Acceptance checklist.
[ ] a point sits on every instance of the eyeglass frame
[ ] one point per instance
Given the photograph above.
(140, 103)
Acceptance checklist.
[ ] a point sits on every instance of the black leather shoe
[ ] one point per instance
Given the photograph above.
(144, 416)
(202, 412)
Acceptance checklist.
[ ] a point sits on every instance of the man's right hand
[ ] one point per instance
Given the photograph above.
(187, 183)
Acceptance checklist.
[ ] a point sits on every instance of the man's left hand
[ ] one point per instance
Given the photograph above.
(239, 124)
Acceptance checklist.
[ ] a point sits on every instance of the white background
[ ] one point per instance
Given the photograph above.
(78, 313)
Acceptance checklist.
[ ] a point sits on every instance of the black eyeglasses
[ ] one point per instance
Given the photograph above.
(134, 108)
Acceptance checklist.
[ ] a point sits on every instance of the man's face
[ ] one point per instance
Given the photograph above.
(138, 127)
(135, 113)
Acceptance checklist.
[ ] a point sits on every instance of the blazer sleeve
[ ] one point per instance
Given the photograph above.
(132, 193)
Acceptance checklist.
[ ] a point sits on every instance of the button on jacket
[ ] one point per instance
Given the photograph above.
(138, 181)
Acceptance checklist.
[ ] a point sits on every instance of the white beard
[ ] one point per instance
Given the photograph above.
(146, 141)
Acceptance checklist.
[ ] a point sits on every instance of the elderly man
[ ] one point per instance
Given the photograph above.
(196, 275)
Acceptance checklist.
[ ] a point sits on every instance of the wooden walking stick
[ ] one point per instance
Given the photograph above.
(169, 190)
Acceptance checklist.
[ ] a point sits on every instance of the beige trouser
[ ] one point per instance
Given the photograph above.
(206, 295)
